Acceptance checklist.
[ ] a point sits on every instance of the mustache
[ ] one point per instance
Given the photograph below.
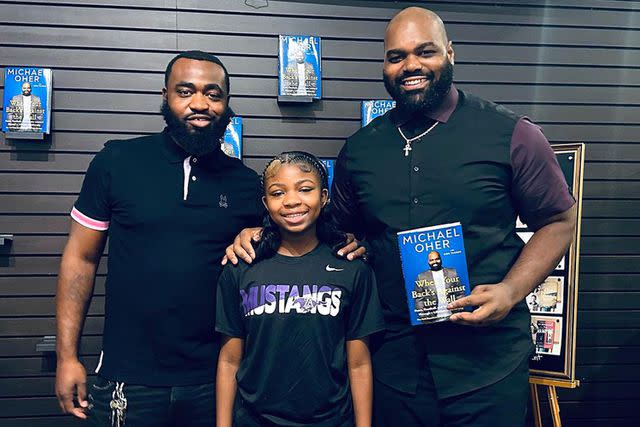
(430, 75)
(199, 116)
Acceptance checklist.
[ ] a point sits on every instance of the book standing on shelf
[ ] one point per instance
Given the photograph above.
(374, 108)
(27, 100)
(299, 66)
(232, 140)
(329, 164)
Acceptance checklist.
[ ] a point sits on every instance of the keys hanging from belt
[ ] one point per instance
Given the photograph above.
(118, 406)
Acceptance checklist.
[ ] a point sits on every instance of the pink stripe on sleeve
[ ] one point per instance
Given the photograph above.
(91, 223)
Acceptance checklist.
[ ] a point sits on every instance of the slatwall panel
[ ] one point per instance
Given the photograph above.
(571, 66)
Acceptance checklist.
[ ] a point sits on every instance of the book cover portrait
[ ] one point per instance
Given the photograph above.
(434, 266)
(27, 99)
(300, 71)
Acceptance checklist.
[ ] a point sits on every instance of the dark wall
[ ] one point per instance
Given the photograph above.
(571, 66)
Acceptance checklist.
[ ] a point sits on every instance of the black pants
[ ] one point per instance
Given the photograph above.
(183, 406)
(503, 404)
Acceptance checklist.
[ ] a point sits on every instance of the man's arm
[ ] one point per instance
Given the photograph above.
(361, 380)
(536, 261)
(226, 386)
(75, 286)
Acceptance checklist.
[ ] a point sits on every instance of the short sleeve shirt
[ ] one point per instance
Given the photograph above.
(484, 180)
(169, 216)
(295, 315)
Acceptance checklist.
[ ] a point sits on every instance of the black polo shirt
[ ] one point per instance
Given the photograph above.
(481, 165)
(169, 217)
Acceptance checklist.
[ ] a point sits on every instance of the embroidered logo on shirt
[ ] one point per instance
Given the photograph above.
(329, 268)
(223, 201)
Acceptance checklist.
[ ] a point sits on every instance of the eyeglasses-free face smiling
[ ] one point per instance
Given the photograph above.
(418, 63)
(294, 199)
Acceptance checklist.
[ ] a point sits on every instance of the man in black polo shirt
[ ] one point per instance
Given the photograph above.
(170, 203)
(453, 157)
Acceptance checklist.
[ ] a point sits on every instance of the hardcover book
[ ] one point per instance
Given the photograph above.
(232, 141)
(328, 165)
(434, 266)
(374, 108)
(299, 66)
(27, 100)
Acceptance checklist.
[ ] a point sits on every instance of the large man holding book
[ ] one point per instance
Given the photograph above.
(453, 157)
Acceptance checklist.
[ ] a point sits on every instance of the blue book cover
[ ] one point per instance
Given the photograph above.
(374, 108)
(329, 165)
(299, 66)
(434, 265)
(27, 100)
(232, 141)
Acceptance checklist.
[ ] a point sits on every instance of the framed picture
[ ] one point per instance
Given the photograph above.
(553, 303)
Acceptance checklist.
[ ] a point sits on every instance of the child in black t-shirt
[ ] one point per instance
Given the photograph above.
(296, 321)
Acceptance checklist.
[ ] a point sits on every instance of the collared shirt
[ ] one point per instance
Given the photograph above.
(169, 217)
(450, 175)
(530, 153)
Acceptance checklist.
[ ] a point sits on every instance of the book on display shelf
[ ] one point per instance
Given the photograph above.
(375, 108)
(329, 164)
(27, 101)
(232, 140)
(299, 67)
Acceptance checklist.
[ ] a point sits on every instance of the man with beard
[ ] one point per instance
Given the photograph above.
(453, 157)
(24, 112)
(437, 281)
(170, 203)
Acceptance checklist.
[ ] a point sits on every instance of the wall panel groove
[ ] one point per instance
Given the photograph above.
(572, 67)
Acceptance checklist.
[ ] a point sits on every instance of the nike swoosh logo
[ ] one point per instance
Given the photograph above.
(329, 268)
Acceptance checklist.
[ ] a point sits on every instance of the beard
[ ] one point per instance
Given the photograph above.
(431, 97)
(196, 141)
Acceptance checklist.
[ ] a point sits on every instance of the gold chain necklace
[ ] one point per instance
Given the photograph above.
(407, 146)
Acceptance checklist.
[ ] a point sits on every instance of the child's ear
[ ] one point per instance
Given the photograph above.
(324, 197)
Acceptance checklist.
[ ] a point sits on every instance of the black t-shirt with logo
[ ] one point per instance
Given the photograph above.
(295, 315)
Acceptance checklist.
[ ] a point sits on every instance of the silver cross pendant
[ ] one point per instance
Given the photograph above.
(406, 149)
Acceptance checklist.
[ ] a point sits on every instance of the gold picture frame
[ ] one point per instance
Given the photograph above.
(551, 366)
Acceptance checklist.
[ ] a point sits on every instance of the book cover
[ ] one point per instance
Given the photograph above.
(374, 108)
(27, 100)
(232, 140)
(329, 165)
(434, 266)
(299, 66)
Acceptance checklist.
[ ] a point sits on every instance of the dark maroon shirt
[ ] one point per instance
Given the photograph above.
(539, 190)
(509, 170)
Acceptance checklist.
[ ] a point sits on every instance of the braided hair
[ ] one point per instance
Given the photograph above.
(326, 230)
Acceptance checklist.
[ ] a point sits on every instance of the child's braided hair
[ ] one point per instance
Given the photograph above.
(325, 228)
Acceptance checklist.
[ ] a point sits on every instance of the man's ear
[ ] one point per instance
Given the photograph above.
(450, 53)
(164, 93)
